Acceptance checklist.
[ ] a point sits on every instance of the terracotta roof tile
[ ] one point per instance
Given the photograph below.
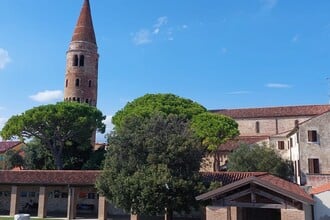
(7, 145)
(232, 180)
(281, 111)
(49, 177)
(320, 189)
(233, 144)
(228, 177)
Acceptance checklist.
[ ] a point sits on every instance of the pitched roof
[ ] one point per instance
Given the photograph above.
(84, 30)
(281, 111)
(49, 177)
(7, 145)
(233, 144)
(266, 180)
(320, 189)
(228, 177)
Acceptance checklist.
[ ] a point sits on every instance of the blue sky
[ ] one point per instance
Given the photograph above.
(220, 53)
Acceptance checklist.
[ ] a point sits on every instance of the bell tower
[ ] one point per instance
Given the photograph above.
(80, 84)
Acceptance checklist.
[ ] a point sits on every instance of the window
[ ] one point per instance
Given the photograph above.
(75, 60)
(90, 83)
(91, 196)
(66, 83)
(78, 99)
(77, 82)
(86, 100)
(313, 166)
(312, 136)
(280, 145)
(257, 127)
(82, 60)
(24, 194)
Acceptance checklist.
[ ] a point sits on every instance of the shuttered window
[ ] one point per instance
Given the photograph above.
(313, 166)
(280, 145)
(312, 136)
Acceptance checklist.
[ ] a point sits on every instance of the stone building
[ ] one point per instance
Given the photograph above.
(269, 126)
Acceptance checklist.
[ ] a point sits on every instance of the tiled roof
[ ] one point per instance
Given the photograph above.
(232, 180)
(281, 111)
(320, 189)
(7, 145)
(233, 144)
(228, 177)
(84, 30)
(49, 177)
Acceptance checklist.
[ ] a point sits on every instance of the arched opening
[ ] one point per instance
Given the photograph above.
(75, 60)
(78, 99)
(86, 100)
(90, 83)
(66, 83)
(77, 82)
(82, 60)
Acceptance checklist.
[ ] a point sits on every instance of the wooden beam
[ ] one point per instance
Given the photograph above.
(255, 205)
(237, 195)
(275, 198)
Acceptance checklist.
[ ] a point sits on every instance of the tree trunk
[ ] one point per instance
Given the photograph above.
(216, 162)
(168, 214)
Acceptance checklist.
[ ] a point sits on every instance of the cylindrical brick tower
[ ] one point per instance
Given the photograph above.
(80, 84)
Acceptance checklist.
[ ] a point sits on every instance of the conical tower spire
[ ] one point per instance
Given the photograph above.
(84, 30)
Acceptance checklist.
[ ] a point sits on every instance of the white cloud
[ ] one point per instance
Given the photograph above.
(108, 123)
(161, 21)
(295, 38)
(242, 92)
(184, 26)
(278, 85)
(142, 37)
(4, 58)
(47, 96)
(268, 4)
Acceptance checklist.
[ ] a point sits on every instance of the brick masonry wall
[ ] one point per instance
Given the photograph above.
(292, 214)
(86, 73)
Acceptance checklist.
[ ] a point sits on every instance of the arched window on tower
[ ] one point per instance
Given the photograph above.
(77, 82)
(75, 60)
(86, 100)
(66, 83)
(82, 60)
(90, 83)
(78, 99)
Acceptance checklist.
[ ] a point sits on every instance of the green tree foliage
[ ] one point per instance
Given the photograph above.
(167, 103)
(75, 157)
(259, 158)
(152, 164)
(95, 161)
(37, 156)
(214, 130)
(13, 159)
(55, 125)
